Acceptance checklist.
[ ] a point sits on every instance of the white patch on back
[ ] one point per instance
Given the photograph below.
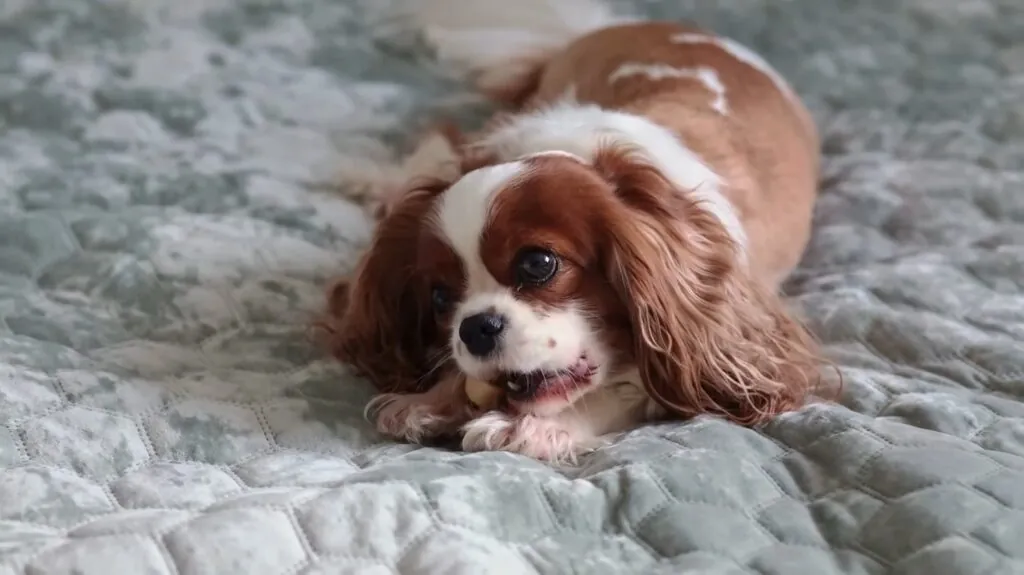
(464, 211)
(583, 129)
(554, 154)
(707, 76)
(741, 53)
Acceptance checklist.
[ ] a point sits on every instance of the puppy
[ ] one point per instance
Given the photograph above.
(611, 248)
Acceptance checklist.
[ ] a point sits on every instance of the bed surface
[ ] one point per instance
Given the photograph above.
(167, 227)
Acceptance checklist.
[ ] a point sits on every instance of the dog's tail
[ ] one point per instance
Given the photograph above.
(504, 44)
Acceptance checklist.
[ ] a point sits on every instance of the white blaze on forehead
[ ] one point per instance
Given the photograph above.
(704, 75)
(465, 209)
(741, 53)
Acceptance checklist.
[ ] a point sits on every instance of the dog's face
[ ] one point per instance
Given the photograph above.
(526, 294)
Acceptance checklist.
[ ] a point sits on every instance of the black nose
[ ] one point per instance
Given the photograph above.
(480, 332)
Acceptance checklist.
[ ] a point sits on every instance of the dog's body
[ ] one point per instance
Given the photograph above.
(671, 174)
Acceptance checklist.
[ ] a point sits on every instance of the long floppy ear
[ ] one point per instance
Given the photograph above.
(379, 321)
(708, 337)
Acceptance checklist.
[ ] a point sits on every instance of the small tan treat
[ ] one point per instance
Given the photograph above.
(482, 394)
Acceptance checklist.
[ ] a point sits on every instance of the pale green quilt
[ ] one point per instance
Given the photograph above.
(166, 231)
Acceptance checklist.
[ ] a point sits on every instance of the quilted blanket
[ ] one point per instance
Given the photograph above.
(167, 227)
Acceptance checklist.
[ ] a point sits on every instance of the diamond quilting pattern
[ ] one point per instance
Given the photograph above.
(25, 393)
(213, 542)
(890, 542)
(288, 468)
(207, 431)
(732, 534)
(116, 553)
(50, 496)
(174, 485)
(165, 236)
(91, 443)
(334, 521)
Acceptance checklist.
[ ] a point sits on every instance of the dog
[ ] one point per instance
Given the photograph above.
(607, 251)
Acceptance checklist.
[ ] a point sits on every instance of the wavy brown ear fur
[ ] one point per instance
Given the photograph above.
(380, 322)
(708, 338)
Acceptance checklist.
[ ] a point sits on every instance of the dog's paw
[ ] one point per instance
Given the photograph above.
(543, 438)
(407, 417)
(417, 417)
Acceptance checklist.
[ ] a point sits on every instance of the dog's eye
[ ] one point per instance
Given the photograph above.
(441, 298)
(535, 266)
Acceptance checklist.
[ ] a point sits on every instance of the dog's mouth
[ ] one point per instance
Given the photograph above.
(541, 385)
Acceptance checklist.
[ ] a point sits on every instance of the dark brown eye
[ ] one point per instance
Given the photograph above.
(441, 298)
(535, 267)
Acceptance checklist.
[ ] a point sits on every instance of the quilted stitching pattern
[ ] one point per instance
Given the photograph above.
(164, 238)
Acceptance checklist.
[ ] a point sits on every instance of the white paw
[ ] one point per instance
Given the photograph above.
(547, 439)
(409, 417)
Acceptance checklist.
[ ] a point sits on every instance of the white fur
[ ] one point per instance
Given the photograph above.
(741, 53)
(583, 129)
(553, 153)
(704, 75)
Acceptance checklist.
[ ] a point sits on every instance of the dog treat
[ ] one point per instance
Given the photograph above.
(482, 394)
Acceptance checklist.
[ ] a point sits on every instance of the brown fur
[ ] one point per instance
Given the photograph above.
(708, 337)
(378, 322)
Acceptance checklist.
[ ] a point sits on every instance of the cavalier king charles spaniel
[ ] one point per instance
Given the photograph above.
(606, 251)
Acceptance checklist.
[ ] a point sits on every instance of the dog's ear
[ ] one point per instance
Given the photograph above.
(380, 321)
(708, 338)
